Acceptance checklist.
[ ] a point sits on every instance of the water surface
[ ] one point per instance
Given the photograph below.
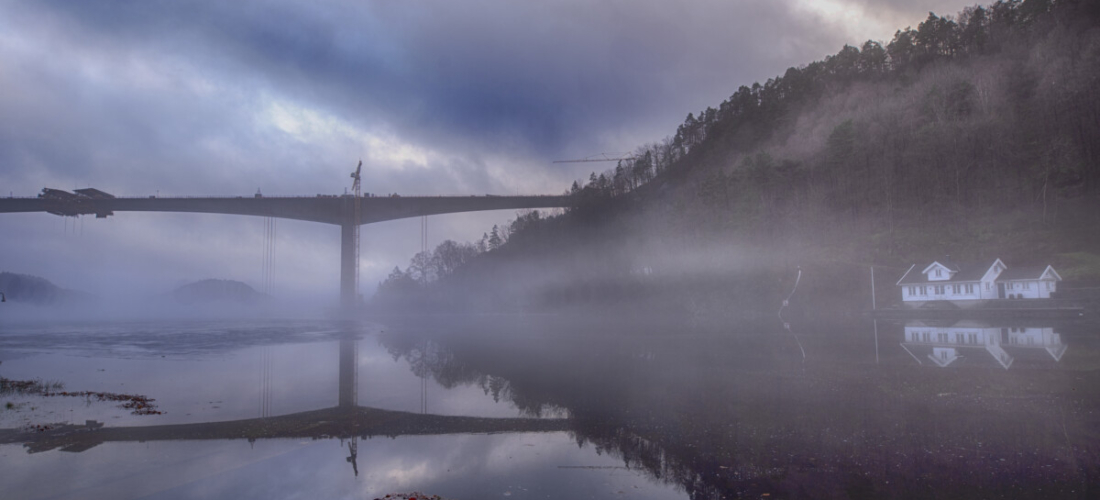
(564, 407)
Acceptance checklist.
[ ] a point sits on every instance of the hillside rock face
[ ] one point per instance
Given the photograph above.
(36, 290)
(213, 291)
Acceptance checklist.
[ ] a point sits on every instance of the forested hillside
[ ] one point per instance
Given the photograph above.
(976, 135)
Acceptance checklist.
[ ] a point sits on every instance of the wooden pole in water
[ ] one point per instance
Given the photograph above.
(873, 288)
(876, 340)
(873, 308)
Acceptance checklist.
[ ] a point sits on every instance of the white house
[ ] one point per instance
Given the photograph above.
(964, 284)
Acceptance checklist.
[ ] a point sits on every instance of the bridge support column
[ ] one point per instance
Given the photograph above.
(349, 296)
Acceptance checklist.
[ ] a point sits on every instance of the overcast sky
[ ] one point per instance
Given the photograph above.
(436, 97)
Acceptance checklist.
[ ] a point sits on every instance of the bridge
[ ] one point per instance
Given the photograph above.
(337, 210)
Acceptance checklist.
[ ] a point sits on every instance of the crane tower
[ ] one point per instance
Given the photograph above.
(355, 187)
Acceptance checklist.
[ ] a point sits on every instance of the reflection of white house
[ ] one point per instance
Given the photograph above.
(962, 284)
(946, 345)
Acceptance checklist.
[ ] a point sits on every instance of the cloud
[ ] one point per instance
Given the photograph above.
(436, 97)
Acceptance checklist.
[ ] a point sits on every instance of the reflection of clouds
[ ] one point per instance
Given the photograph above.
(317, 469)
(451, 466)
(484, 466)
(405, 474)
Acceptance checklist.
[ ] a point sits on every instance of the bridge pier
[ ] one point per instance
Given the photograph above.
(349, 296)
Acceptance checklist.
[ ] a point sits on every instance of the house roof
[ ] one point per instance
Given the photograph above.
(1027, 273)
(964, 272)
(906, 275)
(972, 272)
(945, 262)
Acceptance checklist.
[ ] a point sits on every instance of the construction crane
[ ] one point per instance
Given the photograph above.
(600, 157)
(355, 187)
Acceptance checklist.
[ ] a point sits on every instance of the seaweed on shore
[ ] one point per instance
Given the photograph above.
(138, 404)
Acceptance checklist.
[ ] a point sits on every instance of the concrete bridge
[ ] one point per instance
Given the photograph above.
(326, 209)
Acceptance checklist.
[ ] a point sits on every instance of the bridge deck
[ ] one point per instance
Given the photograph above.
(325, 209)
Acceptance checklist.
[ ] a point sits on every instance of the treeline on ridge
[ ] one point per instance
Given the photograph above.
(977, 135)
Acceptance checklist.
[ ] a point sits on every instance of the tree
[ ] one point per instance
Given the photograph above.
(973, 29)
(642, 171)
(524, 222)
(840, 146)
(421, 268)
(494, 238)
(872, 58)
(901, 50)
(397, 283)
(449, 256)
(936, 37)
(483, 243)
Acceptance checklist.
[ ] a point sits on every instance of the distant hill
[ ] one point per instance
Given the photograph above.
(36, 290)
(212, 291)
(976, 135)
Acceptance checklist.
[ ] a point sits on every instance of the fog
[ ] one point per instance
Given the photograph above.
(217, 100)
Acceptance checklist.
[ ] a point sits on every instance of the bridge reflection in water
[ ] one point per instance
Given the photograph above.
(346, 421)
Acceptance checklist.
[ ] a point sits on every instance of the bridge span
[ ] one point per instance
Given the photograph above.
(327, 209)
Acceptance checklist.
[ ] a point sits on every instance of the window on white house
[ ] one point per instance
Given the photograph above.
(923, 290)
(937, 273)
(969, 288)
(1027, 285)
(987, 286)
(956, 289)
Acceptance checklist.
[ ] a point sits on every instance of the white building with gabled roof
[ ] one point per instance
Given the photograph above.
(966, 283)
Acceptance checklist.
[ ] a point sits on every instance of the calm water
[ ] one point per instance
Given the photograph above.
(567, 408)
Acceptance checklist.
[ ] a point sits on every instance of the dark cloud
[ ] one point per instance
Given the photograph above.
(535, 76)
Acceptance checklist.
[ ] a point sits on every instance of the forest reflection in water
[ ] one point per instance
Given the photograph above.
(871, 409)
